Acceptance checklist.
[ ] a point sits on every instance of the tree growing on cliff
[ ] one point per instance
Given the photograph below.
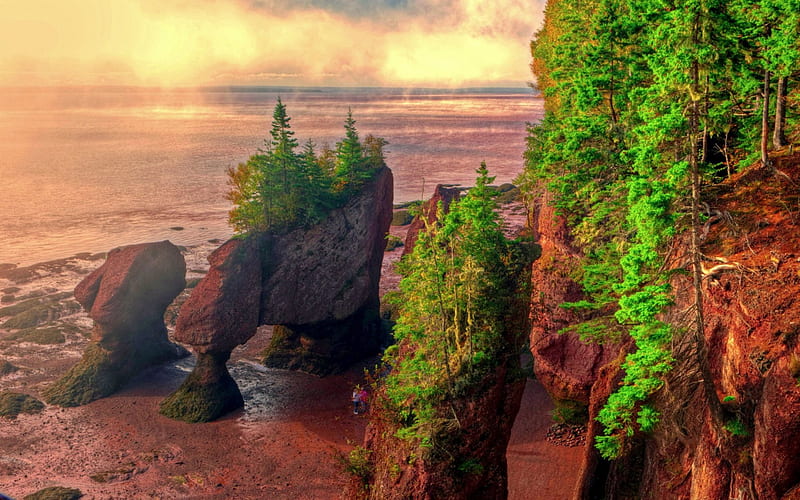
(645, 101)
(458, 289)
(279, 188)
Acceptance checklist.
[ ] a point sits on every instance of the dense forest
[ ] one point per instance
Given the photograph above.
(284, 186)
(649, 103)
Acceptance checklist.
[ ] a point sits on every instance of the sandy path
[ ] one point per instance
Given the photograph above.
(538, 469)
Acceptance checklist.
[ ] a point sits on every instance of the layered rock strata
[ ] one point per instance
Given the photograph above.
(126, 297)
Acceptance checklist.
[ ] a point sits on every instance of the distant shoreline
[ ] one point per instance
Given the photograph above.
(273, 89)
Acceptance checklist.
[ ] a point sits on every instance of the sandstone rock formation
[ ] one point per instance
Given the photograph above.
(221, 313)
(566, 366)
(752, 330)
(467, 453)
(474, 465)
(442, 194)
(126, 297)
(318, 284)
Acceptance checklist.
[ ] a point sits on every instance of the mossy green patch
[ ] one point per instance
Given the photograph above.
(43, 336)
(14, 403)
(93, 377)
(55, 493)
(402, 217)
(20, 308)
(198, 401)
(569, 412)
(508, 194)
(34, 312)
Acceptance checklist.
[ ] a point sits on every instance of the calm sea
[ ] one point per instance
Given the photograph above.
(85, 170)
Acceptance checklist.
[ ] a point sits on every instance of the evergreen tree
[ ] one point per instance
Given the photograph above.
(278, 187)
(458, 287)
(349, 155)
(642, 98)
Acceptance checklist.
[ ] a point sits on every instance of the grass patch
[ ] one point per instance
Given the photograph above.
(55, 493)
(42, 336)
(14, 403)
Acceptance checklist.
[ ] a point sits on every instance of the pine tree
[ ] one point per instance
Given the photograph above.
(350, 169)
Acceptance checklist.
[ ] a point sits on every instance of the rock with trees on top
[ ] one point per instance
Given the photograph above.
(311, 269)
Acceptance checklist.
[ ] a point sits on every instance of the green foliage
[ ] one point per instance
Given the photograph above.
(470, 466)
(736, 427)
(638, 94)
(569, 412)
(357, 464)
(281, 187)
(456, 294)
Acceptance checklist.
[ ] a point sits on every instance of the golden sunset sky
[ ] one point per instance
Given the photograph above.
(439, 43)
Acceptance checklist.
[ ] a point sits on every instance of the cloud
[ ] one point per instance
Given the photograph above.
(295, 42)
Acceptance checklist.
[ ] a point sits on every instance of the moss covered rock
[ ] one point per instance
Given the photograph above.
(126, 297)
(14, 403)
(55, 493)
(208, 393)
(402, 217)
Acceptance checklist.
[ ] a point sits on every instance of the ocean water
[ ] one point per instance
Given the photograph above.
(89, 169)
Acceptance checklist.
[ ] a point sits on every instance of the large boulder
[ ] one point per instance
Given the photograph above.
(126, 297)
(319, 284)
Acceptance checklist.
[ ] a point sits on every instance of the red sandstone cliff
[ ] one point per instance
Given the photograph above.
(566, 366)
(752, 330)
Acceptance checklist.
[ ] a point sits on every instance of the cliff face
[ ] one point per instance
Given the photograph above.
(752, 330)
(319, 284)
(474, 464)
(429, 209)
(566, 366)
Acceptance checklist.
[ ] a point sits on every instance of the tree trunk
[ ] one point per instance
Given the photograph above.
(699, 331)
(779, 136)
(765, 121)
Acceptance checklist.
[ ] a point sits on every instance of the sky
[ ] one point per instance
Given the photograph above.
(398, 43)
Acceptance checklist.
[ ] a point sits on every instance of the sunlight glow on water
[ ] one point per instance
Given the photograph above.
(91, 169)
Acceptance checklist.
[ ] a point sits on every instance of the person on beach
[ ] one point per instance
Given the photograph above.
(363, 396)
(356, 399)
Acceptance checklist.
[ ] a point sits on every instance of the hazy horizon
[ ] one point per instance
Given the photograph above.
(352, 43)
